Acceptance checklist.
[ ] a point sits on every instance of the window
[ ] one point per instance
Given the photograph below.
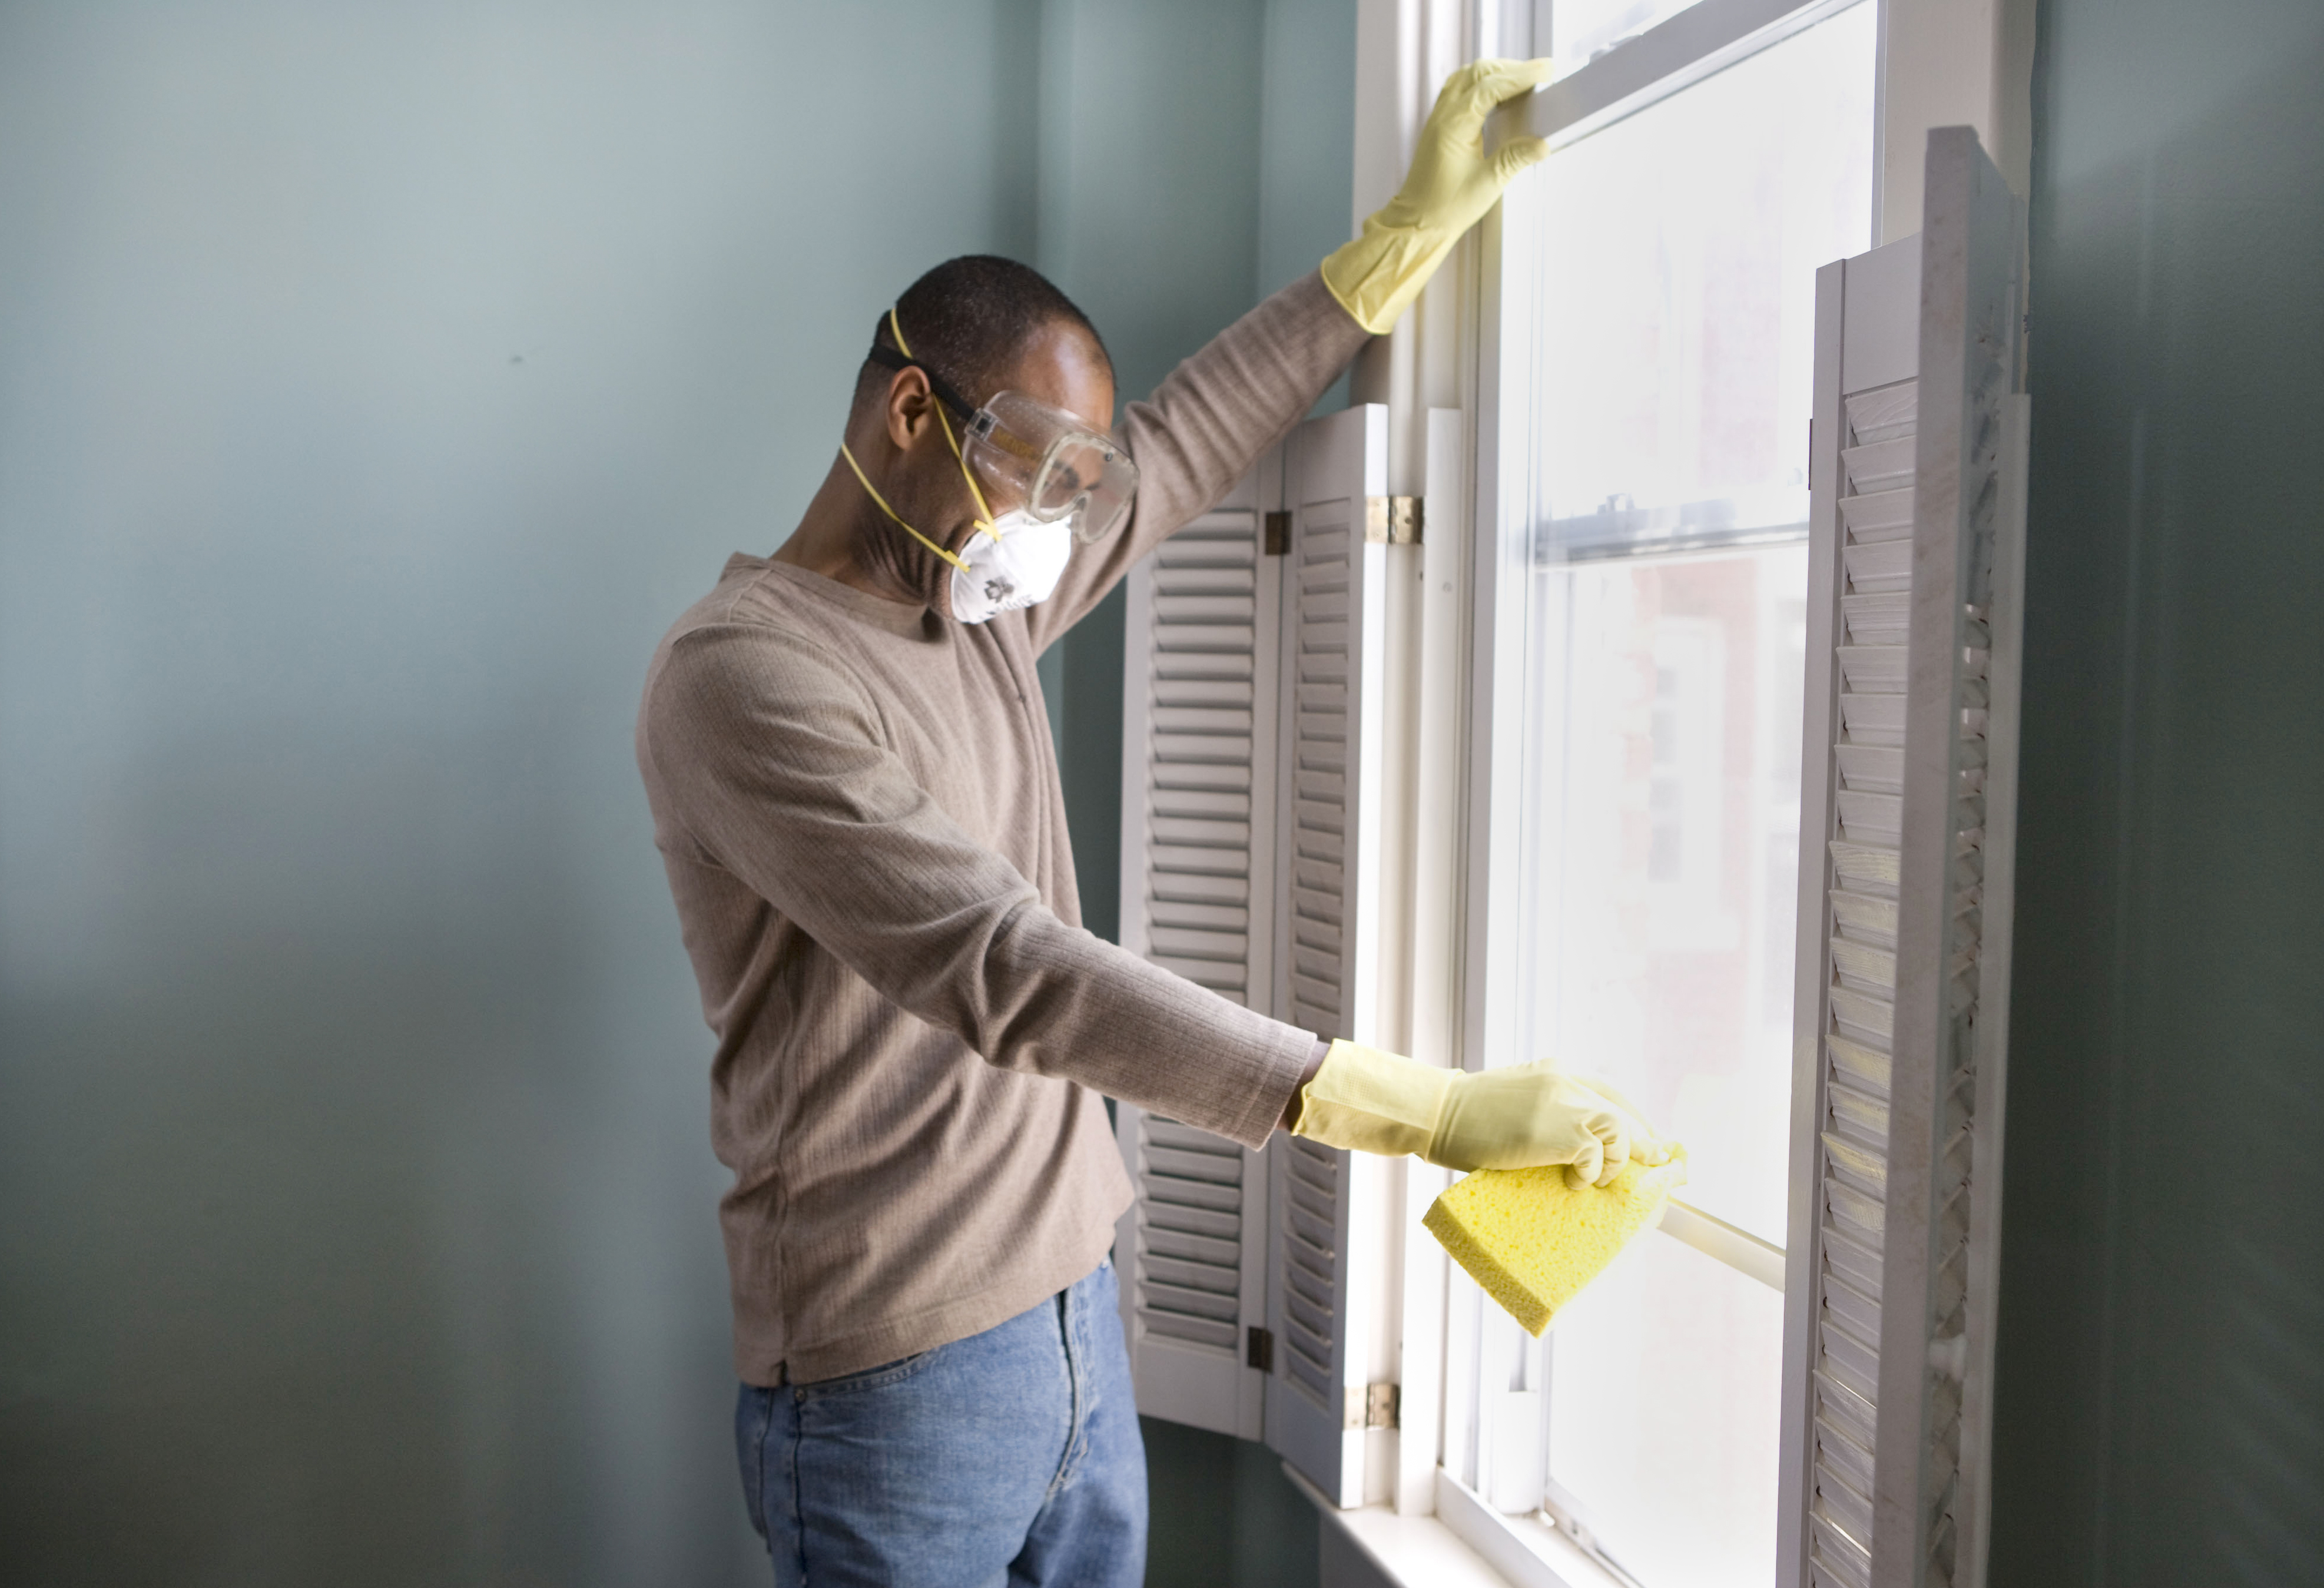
(1611, 872)
(1658, 279)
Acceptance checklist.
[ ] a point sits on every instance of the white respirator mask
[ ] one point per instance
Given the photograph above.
(1018, 563)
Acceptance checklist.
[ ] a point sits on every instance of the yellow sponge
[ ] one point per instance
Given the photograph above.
(1532, 1241)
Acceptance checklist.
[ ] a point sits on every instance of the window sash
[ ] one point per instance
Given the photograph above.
(1657, 64)
(1667, 59)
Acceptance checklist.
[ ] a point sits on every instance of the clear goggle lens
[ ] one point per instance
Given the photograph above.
(1051, 464)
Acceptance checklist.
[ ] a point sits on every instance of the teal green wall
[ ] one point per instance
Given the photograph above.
(1242, 162)
(1224, 165)
(376, 384)
(1149, 174)
(2160, 1375)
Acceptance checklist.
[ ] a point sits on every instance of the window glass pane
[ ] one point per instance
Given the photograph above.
(1666, 812)
(1675, 316)
(1672, 313)
(1665, 1383)
(1674, 323)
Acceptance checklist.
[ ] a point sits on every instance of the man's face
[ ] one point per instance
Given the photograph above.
(1060, 365)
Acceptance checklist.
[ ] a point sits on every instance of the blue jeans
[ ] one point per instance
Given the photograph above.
(1009, 1457)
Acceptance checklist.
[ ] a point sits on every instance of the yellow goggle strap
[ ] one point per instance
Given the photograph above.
(985, 523)
(953, 558)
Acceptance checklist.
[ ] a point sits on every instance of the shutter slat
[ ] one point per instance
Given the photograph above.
(1206, 832)
(1217, 1334)
(1205, 719)
(1218, 918)
(1230, 889)
(1217, 804)
(1185, 662)
(1169, 580)
(1226, 776)
(1205, 691)
(1198, 860)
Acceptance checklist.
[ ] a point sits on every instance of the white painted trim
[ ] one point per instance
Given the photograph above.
(1416, 1551)
(1465, 1545)
(1436, 762)
(1502, 476)
(1705, 38)
(1950, 63)
(1422, 372)
(1526, 1550)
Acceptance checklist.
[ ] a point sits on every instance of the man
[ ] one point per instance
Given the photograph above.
(854, 792)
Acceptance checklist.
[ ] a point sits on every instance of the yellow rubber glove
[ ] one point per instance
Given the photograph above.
(1521, 1117)
(1450, 186)
(1645, 1144)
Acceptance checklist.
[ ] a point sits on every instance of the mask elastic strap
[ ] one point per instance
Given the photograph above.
(896, 329)
(953, 558)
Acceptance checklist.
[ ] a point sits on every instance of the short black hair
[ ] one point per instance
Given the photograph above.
(968, 319)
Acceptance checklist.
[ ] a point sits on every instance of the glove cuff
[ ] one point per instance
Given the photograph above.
(1372, 1101)
(1376, 276)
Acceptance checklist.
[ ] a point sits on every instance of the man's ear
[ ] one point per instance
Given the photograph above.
(909, 412)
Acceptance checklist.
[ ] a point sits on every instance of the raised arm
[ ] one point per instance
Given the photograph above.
(1204, 426)
(1207, 424)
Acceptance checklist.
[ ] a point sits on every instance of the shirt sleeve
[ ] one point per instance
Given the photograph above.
(776, 763)
(1203, 428)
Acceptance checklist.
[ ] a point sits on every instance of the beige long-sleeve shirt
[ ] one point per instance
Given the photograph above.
(858, 804)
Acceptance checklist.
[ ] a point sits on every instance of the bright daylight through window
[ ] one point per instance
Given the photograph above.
(1671, 261)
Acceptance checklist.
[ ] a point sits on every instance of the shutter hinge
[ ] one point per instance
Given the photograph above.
(1372, 1406)
(1278, 534)
(1259, 1344)
(1393, 520)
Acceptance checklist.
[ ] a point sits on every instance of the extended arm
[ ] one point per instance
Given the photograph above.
(777, 769)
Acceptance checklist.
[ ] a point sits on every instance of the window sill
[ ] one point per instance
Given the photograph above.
(1466, 1545)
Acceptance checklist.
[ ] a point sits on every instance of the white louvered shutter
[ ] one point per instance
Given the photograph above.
(1198, 805)
(1907, 810)
(1326, 1280)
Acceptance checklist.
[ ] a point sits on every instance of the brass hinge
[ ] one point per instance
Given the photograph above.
(1259, 1344)
(1393, 520)
(1278, 534)
(1373, 1406)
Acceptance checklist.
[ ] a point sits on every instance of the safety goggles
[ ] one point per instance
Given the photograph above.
(1032, 454)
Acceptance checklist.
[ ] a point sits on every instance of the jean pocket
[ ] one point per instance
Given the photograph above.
(879, 1378)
